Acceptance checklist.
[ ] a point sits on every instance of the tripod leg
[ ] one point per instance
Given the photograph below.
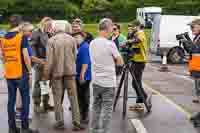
(147, 102)
(125, 94)
(118, 90)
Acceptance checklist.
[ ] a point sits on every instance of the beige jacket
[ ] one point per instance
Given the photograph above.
(61, 56)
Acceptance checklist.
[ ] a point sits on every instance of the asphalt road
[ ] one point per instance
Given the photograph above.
(172, 105)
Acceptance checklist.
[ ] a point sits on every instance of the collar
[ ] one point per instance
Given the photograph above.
(82, 43)
(140, 31)
(10, 34)
(16, 29)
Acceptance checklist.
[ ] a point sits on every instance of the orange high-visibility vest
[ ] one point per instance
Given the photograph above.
(194, 62)
(12, 52)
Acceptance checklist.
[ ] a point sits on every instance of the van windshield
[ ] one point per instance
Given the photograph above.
(150, 16)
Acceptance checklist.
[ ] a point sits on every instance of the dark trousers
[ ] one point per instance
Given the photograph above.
(83, 97)
(138, 69)
(23, 85)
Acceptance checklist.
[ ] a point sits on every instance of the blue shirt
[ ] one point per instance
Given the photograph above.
(83, 57)
(24, 43)
(29, 51)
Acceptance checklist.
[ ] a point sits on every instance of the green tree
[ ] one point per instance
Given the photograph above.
(97, 9)
(93, 10)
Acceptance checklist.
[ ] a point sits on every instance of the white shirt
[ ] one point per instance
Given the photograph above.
(103, 53)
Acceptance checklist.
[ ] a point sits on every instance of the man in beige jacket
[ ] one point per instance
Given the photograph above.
(61, 59)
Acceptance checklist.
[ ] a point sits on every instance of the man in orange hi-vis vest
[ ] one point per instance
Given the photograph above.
(194, 64)
(17, 69)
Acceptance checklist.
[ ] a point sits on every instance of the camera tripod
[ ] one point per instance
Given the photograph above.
(124, 79)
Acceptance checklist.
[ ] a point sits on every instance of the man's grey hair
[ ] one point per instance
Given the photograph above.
(105, 24)
(26, 26)
(62, 26)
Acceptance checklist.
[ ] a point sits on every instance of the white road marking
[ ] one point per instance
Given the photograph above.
(178, 107)
(138, 126)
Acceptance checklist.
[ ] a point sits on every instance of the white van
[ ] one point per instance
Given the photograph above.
(163, 35)
(146, 15)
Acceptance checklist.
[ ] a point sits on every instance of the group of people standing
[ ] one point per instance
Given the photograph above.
(63, 56)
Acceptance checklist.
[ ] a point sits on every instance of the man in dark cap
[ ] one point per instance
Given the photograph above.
(15, 20)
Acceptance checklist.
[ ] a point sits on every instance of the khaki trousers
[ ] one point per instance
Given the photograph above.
(58, 87)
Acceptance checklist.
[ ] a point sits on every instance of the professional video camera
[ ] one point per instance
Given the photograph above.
(183, 36)
(128, 50)
(185, 40)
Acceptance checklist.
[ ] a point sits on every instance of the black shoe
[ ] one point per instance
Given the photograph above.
(85, 121)
(196, 123)
(77, 127)
(29, 131)
(14, 130)
(85, 118)
(149, 103)
(48, 107)
(195, 117)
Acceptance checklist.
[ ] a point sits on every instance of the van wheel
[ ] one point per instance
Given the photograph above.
(176, 55)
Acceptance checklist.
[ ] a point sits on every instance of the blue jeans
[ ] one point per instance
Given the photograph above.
(23, 86)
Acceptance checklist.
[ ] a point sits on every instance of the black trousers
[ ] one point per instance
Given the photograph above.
(138, 68)
(83, 97)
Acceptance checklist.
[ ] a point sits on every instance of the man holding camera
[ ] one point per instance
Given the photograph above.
(194, 66)
(139, 59)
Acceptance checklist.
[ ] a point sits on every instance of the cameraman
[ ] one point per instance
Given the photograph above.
(194, 66)
(138, 59)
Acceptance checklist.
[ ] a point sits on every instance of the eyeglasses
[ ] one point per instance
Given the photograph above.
(114, 29)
